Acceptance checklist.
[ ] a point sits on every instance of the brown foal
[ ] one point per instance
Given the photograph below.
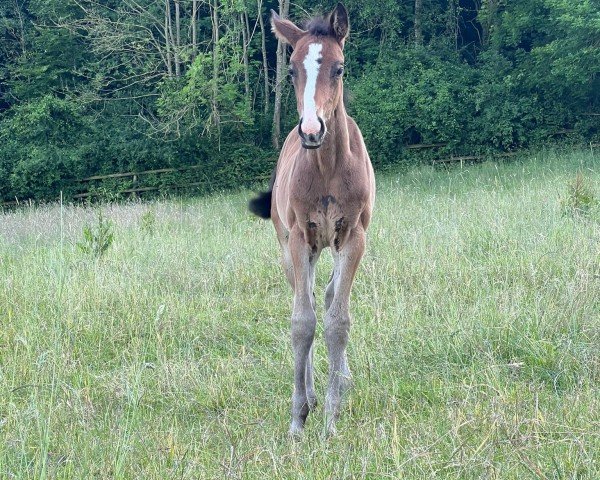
(321, 195)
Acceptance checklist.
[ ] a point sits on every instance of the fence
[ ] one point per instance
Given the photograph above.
(135, 175)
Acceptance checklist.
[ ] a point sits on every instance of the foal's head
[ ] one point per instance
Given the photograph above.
(316, 69)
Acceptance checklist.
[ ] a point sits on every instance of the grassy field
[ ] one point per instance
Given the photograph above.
(475, 344)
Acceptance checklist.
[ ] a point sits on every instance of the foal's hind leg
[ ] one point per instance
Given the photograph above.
(337, 323)
(329, 293)
(311, 396)
(304, 321)
(330, 289)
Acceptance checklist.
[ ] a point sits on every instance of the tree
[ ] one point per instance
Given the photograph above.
(176, 83)
(284, 8)
(418, 28)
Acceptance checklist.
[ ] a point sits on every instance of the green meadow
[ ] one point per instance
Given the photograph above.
(158, 347)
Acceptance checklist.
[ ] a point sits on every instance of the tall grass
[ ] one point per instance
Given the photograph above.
(475, 343)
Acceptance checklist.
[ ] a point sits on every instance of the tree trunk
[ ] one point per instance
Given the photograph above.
(216, 55)
(418, 28)
(284, 6)
(177, 42)
(245, 41)
(194, 29)
(452, 22)
(22, 40)
(488, 21)
(167, 38)
(264, 55)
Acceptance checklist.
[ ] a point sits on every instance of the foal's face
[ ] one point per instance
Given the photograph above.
(316, 69)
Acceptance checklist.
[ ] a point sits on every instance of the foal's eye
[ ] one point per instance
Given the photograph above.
(339, 72)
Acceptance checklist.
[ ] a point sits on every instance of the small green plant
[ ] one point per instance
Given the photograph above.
(580, 198)
(148, 222)
(98, 238)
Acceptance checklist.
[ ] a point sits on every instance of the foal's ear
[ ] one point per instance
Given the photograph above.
(339, 23)
(285, 30)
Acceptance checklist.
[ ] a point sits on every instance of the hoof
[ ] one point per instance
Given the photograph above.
(330, 421)
(345, 385)
(330, 430)
(298, 421)
(296, 431)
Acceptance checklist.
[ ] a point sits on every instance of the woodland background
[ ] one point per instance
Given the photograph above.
(97, 87)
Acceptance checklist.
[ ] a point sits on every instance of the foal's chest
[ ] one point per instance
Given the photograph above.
(325, 211)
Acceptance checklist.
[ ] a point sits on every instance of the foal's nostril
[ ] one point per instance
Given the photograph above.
(313, 138)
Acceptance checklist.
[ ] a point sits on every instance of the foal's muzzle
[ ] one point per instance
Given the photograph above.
(312, 140)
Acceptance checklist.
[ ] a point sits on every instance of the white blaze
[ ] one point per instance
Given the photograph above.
(310, 121)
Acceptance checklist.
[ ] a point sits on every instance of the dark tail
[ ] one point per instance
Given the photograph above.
(261, 205)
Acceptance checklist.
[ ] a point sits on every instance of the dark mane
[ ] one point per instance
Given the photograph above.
(319, 26)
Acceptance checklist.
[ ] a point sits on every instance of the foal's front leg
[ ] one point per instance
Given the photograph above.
(304, 321)
(337, 322)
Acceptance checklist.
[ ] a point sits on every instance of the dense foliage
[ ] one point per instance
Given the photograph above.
(90, 87)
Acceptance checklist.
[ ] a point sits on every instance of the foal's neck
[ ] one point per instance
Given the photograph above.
(336, 144)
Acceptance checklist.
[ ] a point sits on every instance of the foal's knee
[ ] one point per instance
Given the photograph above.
(337, 328)
(303, 329)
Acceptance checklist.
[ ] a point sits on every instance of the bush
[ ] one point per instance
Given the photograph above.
(414, 96)
(580, 198)
(97, 239)
(40, 147)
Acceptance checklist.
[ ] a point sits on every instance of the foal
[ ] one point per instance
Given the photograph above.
(321, 195)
